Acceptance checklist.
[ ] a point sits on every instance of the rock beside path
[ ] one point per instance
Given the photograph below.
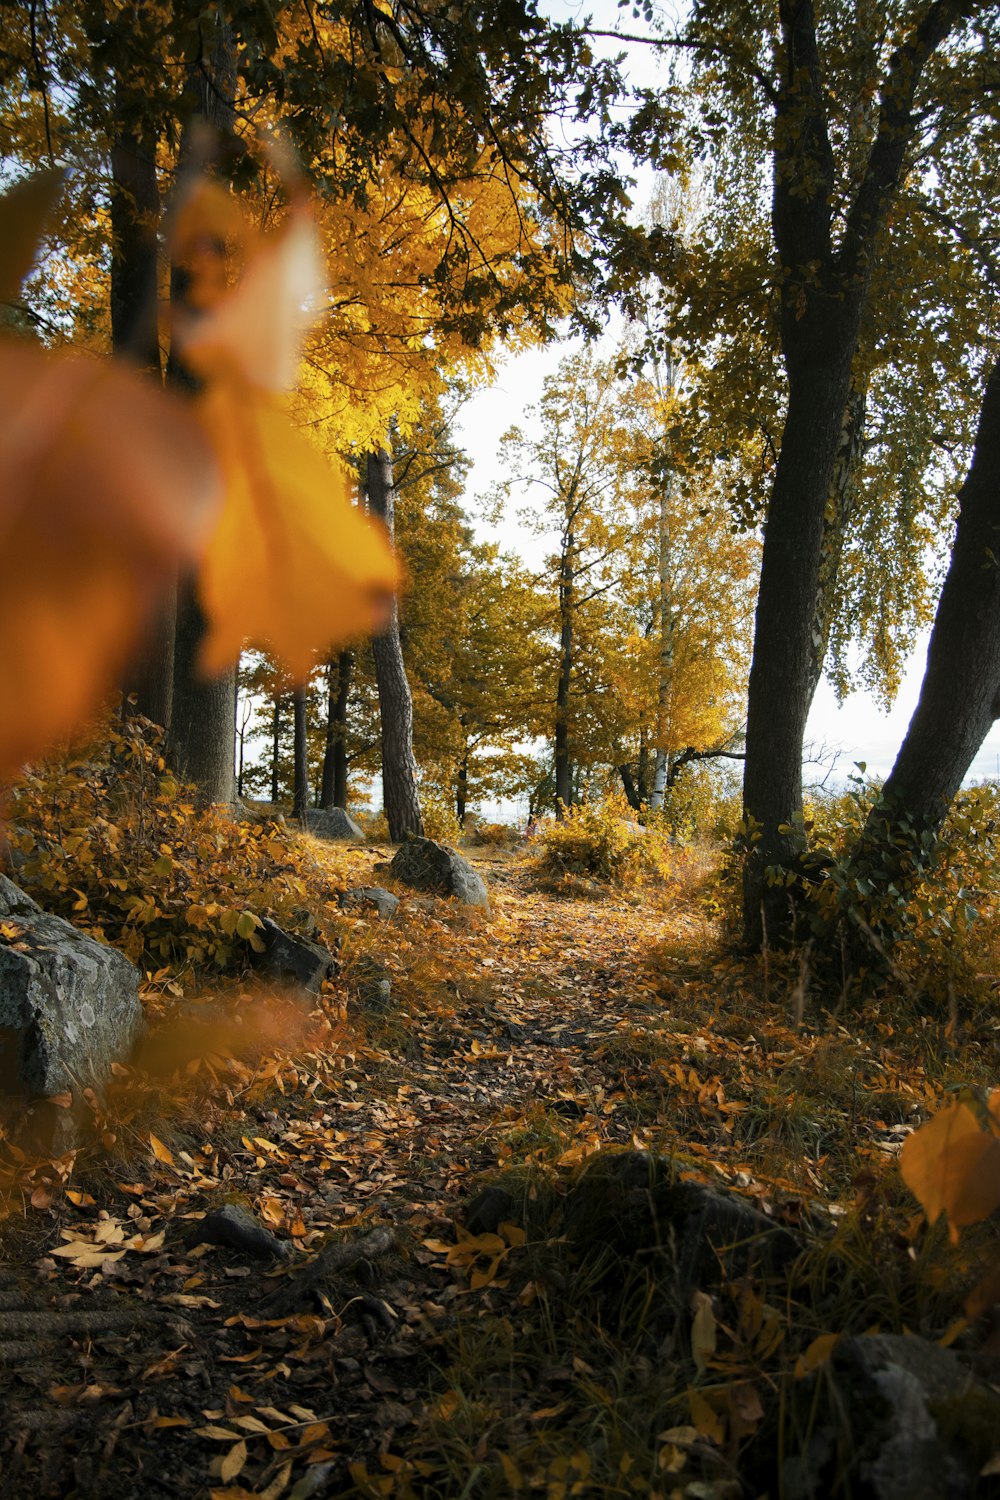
(428, 866)
(69, 1005)
(332, 823)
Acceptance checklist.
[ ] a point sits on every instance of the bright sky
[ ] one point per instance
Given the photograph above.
(859, 729)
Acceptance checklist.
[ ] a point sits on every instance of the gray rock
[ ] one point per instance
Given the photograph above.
(373, 983)
(69, 1005)
(235, 1227)
(293, 959)
(384, 902)
(490, 1208)
(331, 823)
(428, 866)
(918, 1424)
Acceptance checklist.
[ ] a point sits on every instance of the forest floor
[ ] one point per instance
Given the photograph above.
(449, 1354)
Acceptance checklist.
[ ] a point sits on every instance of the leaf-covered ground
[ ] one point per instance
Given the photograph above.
(401, 1348)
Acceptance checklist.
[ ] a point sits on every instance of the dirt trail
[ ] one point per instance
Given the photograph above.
(147, 1364)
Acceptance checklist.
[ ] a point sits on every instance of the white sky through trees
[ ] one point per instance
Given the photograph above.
(857, 730)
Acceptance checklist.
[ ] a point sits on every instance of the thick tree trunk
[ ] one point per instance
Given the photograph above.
(333, 786)
(824, 296)
(300, 754)
(202, 729)
(959, 697)
(399, 767)
(135, 213)
(782, 677)
(203, 708)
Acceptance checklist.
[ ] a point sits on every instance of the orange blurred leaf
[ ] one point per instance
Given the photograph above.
(251, 297)
(107, 483)
(293, 563)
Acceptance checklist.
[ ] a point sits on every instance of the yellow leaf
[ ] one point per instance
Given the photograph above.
(707, 1421)
(952, 1166)
(817, 1354)
(107, 484)
(293, 564)
(233, 1462)
(160, 1151)
(703, 1330)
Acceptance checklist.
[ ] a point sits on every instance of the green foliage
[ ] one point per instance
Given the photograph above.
(106, 837)
(596, 839)
(941, 881)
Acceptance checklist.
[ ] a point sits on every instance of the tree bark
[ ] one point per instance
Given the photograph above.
(203, 708)
(462, 785)
(275, 747)
(202, 729)
(399, 767)
(135, 213)
(824, 296)
(959, 697)
(333, 785)
(563, 764)
(300, 754)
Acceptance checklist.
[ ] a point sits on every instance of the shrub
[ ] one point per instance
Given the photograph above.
(109, 839)
(438, 813)
(498, 835)
(598, 840)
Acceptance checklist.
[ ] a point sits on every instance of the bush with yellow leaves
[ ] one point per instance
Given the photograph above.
(106, 837)
(599, 840)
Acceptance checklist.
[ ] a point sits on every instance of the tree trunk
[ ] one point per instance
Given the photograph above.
(563, 759)
(399, 767)
(135, 213)
(203, 708)
(203, 722)
(782, 679)
(629, 787)
(462, 784)
(333, 785)
(959, 697)
(275, 746)
(300, 753)
(824, 295)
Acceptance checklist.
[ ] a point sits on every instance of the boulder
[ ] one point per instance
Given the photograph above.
(331, 823)
(428, 866)
(294, 960)
(384, 902)
(917, 1424)
(69, 1005)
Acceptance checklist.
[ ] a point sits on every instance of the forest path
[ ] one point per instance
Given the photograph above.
(134, 1357)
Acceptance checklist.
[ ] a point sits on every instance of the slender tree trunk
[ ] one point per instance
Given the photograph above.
(462, 784)
(203, 719)
(399, 767)
(300, 753)
(959, 697)
(629, 787)
(665, 658)
(333, 786)
(275, 746)
(564, 682)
